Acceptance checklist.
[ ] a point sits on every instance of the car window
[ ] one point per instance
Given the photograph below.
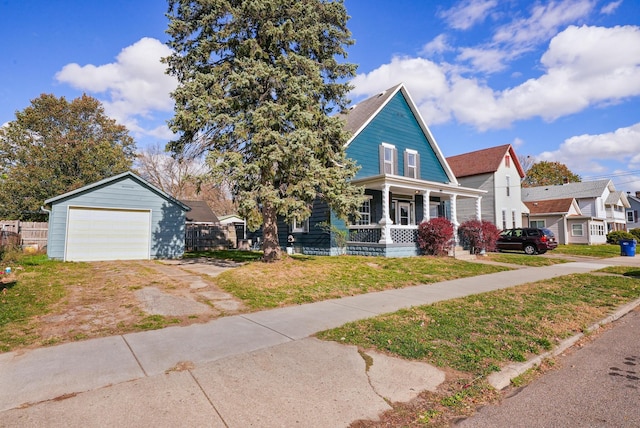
(506, 233)
(533, 232)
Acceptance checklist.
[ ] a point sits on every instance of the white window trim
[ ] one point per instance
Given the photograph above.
(415, 162)
(384, 158)
(302, 228)
(367, 198)
(573, 231)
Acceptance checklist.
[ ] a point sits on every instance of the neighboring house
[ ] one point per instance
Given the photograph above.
(564, 218)
(616, 206)
(238, 222)
(601, 208)
(119, 218)
(200, 213)
(633, 222)
(405, 177)
(498, 171)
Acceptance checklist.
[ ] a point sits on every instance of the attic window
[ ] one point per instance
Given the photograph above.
(507, 161)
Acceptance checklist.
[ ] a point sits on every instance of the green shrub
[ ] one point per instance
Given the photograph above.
(616, 236)
(636, 233)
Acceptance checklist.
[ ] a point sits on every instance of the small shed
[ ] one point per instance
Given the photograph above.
(200, 213)
(119, 218)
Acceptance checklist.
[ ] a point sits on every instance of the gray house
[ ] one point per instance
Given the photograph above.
(118, 218)
(633, 222)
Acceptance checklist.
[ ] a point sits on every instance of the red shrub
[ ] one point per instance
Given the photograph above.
(435, 235)
(478, 235)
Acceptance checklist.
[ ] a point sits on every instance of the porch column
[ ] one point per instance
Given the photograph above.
(426, 194)
(479, 208)
(454, 217)
(385, 221)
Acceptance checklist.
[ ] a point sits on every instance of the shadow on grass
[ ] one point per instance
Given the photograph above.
(633, 274)
(233, 255)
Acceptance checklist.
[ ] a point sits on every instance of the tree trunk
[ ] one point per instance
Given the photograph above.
(271, 246)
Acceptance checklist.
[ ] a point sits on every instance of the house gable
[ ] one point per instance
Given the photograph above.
(397, 123)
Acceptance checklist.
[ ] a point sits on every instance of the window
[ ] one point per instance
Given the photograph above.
(537, 224)
(632, 216)
(411, 164)
(504, 219)
(365, 213)
(576, 230)
(507, 161)
(597, 229)
(508, 185)
(300, 226)
(388, 159)
(513, 218)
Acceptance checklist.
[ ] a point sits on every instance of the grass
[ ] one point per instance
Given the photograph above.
(599, 251)
(523, 259)
(41, 284)
(479, 334)
(305, 279)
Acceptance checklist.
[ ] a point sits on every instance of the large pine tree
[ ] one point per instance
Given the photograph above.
(258, 82)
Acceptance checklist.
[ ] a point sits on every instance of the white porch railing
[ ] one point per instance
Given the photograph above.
(373, 234)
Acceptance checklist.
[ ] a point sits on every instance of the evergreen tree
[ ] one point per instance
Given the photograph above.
(258, 80)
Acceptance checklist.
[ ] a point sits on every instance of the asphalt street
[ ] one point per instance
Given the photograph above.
(594, 385)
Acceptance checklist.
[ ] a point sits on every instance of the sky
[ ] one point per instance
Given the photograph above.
(559, 80)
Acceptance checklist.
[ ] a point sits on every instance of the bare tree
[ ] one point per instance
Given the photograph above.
(185, 177)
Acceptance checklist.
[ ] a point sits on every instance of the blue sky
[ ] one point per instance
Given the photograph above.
(560, 80)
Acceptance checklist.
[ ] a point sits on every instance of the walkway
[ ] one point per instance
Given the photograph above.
(256, 369)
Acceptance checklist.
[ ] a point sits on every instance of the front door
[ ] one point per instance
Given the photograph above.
(403, 214)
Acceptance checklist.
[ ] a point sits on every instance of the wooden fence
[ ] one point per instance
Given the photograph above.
(200, 237)
(30, 233)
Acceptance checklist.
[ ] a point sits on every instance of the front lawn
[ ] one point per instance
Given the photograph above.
(304, 279)
(476, 335)
(599, 251)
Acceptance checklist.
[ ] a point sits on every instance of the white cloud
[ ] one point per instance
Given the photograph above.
(468, 13)
(585, 66)
(621, 145)
(436, 46)
(543, 23)
(610, 8)
(136, 85)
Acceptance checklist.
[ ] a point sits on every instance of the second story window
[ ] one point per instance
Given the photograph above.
(411, 164)
(507, 161)
(508, 185)
(388, 159)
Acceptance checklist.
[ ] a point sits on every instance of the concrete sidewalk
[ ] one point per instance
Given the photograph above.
(257, 369)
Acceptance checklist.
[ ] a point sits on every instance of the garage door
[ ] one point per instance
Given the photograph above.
(107, 234)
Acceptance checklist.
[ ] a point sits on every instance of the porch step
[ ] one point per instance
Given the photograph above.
(461, 254)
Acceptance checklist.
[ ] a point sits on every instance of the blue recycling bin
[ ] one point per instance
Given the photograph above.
(628, 247)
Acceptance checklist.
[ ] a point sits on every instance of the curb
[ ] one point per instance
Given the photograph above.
(502, 379)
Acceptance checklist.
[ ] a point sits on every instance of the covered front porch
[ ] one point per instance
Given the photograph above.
(393, 209)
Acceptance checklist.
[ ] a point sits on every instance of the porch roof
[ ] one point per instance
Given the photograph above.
(400, 184)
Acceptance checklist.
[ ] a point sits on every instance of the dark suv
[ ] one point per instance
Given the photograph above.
(527, 239)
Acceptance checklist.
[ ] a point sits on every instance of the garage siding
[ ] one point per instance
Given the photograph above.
(126, 193)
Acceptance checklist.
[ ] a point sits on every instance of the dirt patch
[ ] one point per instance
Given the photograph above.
(110, 302)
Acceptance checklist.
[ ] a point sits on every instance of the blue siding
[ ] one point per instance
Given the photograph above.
(167, 218)
(396, 125)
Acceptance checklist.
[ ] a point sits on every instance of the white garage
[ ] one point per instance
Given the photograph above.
(107, 234)
(119, 218)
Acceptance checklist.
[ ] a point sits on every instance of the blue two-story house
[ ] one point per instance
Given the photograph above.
(405, 177)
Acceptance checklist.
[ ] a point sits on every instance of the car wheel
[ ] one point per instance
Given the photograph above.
(529, 249)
